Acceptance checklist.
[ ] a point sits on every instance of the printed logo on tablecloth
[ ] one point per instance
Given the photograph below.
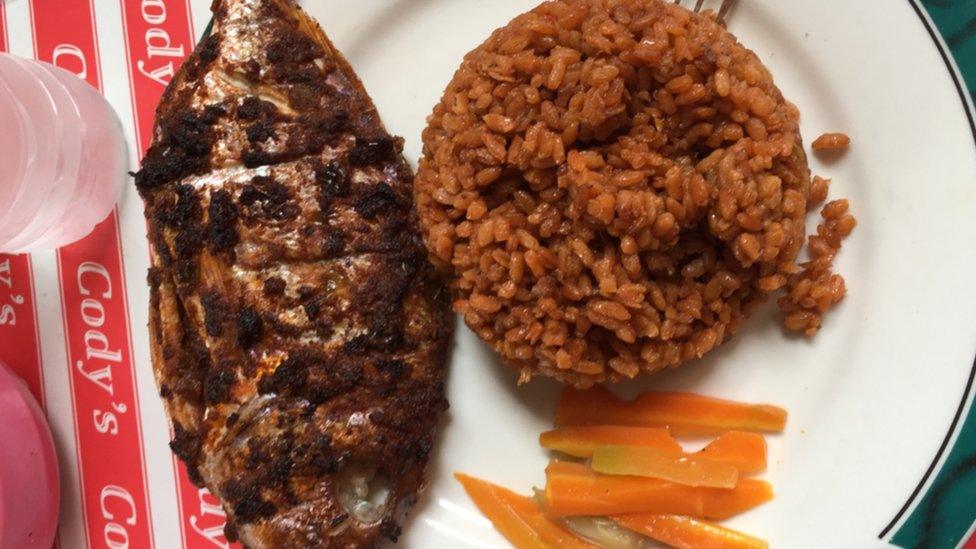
(115, 497)
(110, 455)
(158, 38)
(18, 322)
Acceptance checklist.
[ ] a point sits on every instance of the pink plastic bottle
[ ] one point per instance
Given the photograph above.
(66, 155)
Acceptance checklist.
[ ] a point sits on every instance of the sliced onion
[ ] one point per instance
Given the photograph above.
(607, 533)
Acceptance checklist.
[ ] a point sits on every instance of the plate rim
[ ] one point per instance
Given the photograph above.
(924, 489)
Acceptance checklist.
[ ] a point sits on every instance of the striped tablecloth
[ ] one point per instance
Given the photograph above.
(68, 327)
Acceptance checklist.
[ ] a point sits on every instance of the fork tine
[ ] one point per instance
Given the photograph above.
(724, 9)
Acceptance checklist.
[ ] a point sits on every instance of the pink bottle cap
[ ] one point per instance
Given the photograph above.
(30, 491)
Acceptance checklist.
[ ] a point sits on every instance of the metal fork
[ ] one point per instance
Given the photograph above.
(723, 10)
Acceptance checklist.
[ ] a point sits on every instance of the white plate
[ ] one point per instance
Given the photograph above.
(879, 401)
(872, 397)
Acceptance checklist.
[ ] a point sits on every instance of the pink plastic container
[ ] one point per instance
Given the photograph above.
(30, 491)
(69, 153)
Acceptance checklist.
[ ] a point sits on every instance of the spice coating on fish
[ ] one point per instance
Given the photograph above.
(298, 334)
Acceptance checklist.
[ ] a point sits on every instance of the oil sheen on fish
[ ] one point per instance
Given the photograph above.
(298, 333)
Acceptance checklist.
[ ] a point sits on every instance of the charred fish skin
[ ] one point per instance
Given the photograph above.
(298, 334)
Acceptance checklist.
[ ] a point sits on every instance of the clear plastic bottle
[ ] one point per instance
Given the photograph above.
(63, 152)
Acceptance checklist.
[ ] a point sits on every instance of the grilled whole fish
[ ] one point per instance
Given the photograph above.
(298, 333)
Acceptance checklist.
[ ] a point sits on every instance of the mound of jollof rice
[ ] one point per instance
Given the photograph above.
(613, 185)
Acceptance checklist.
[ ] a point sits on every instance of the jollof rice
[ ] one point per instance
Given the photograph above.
(614, 185)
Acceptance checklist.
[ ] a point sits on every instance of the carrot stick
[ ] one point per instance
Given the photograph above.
(745, 451)
(679, 468)
(681, 413)
(529, 511)
(581, 441)
(560, 467)
(518, 517)
(688, 533)
(503, 517)
(573, 489)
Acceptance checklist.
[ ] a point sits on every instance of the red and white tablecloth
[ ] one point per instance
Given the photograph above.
(73, 322)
